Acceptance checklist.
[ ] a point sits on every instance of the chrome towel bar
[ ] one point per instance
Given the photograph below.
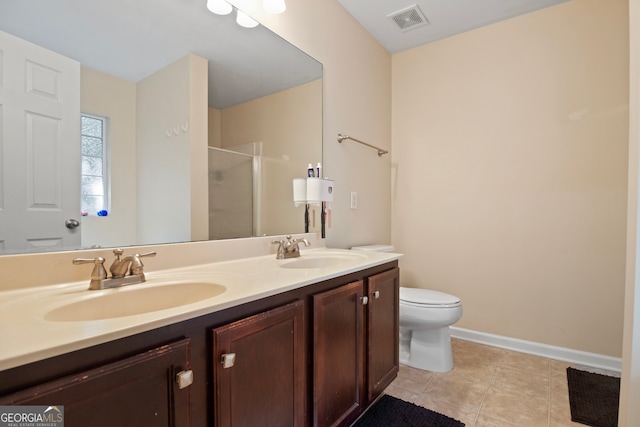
(342, 137)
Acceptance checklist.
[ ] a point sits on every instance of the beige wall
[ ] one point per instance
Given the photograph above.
(173, 100)
(510, 155)
(288, 133)
(115, 99)
(198, 141)
(629, 414)
(213, 125)
(356, 101)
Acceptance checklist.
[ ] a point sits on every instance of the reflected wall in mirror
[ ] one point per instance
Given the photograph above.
(184, 94)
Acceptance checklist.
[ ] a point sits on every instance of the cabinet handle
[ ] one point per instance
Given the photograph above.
(228, 360)
(376, 294)
(184, 379)
(365, 300)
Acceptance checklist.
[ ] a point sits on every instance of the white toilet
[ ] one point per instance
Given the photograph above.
(425, 317)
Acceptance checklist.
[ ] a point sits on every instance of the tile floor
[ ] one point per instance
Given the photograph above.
(491, 387)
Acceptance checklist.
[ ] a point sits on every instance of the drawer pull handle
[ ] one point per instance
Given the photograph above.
(228, 360)
(184, 379)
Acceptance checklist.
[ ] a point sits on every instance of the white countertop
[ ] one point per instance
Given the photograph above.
(27, 336)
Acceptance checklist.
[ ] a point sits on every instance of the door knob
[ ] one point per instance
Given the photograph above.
(72, 223)
(376, 294)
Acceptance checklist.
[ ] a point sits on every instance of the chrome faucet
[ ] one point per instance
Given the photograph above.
(289, 248)
(125, 271)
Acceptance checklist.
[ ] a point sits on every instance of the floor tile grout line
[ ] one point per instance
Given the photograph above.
(484, 395)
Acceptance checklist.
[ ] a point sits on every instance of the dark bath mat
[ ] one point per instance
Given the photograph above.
(593, 398)
(392, 412)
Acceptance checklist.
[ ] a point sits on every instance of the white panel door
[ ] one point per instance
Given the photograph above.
(39, 147)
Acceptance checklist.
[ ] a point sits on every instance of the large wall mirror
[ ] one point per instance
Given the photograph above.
(147, 122)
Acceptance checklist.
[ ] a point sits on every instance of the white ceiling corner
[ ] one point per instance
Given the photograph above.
(446, 18)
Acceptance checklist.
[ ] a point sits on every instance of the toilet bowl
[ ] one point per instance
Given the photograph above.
(425, 317)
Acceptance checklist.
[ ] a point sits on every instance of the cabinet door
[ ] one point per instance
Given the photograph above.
(262, 380)
(338, 389)
(382, 331)
(137, 391)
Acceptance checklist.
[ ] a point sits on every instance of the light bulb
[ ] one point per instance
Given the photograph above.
(274, 6)
(219, 7)
(245, 20)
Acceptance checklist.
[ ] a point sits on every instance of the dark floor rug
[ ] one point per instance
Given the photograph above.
(593, 398)
(392, 412)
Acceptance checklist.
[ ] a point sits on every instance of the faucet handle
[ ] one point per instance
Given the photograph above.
(152, 253)
(98, 274)
(281, 244)
(302, 240)
(118, 253)
(136, 263)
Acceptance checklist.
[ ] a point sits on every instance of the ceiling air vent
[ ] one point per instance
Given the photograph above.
(409, 18)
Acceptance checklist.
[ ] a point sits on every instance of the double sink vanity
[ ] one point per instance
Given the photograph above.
(221, 332)
(247, 341)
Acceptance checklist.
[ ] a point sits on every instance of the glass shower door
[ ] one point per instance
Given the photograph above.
(231, 182)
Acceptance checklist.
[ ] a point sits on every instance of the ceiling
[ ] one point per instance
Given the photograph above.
(445, 18)
(132, 39)
(142, 36)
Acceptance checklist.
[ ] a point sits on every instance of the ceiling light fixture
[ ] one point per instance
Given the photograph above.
(245, 20)
(219, 7)
(274, 6)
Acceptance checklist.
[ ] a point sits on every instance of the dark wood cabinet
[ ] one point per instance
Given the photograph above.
(338, 350)
(140, 390)
(355, 339)
(259, 375)
(315, 355)
(382, 331)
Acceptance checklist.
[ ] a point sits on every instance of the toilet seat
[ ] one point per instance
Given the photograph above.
(427, 298)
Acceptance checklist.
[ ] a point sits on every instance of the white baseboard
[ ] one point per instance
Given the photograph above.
(586, 359)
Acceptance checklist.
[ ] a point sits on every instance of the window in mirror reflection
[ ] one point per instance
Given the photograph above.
(94, 176)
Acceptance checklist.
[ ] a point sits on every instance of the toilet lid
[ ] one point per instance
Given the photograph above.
(417, 296)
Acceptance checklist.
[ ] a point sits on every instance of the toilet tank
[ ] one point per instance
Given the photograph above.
(374, 248)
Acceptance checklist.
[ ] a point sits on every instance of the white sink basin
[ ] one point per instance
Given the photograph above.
(134, 299)
(325, 260)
